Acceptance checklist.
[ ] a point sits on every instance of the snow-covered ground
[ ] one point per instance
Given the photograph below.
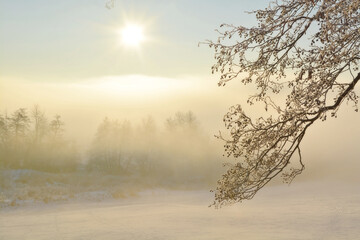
(299, 211)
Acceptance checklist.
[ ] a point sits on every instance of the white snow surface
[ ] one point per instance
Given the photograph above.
(299, 211)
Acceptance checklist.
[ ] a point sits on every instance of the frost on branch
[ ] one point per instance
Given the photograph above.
(307, 50)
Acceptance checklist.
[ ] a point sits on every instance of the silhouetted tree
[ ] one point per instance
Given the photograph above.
(4, 139)
(40, 123)
(182, 121)
(19, 123)
(109, 151)
(4, 129)
(56, 127)
(308, 50)
(148, 126)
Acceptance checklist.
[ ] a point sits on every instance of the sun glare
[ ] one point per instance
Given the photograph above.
(132, 35)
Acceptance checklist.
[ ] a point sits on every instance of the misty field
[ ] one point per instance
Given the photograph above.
(311, 210)
(145, 180)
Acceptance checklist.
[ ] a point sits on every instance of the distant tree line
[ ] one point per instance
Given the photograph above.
(177, 151)
(30, 140)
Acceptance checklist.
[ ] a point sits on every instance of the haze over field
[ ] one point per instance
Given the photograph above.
(84, 105)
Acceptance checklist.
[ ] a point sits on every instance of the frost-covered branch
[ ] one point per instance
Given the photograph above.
(308, 50)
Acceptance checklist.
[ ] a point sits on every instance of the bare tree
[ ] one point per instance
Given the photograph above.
(4, 129)
(308, 50)
(184, 121)
(40, 123)
(56, 127)
(19, 123)
(110, 149)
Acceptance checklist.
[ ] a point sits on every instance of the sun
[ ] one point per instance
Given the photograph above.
(132, 35)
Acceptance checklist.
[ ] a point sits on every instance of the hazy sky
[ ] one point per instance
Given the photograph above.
(71, 40)
(67, 57)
